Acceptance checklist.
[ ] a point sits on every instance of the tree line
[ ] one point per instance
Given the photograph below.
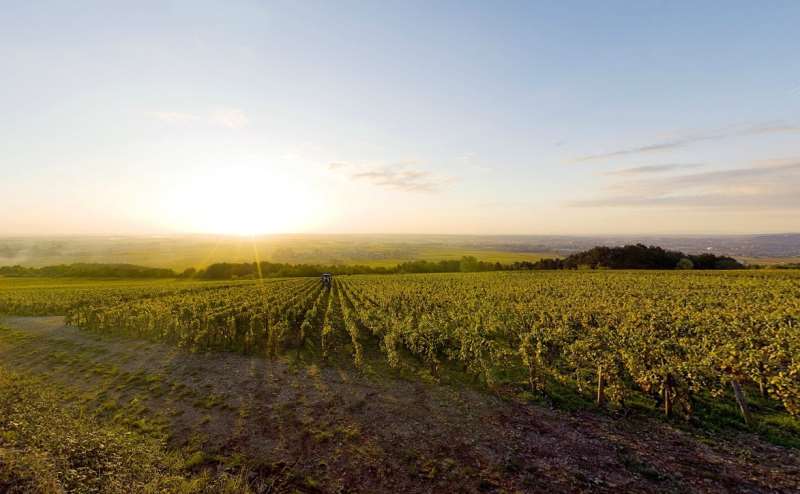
(88, 270)
(636, 256)
(627, 257)
(265, 269)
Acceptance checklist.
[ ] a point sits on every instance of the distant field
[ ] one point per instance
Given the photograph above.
(445, 253)
(179, 253)
(182, 251)
(43, 283)
(769, 261)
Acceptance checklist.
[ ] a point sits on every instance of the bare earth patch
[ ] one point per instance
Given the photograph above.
(329, 429)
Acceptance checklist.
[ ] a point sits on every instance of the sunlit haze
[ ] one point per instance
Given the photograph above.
(412, 117)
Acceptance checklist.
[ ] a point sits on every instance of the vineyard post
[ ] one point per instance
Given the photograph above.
(742, 402)
(601, 395)
(668, 395)
(532, 376)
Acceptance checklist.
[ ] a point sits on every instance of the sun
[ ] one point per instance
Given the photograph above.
(246, 206)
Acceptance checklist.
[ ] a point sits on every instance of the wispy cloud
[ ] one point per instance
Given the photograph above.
(752, 199)
(776, 170)
(773, 184)
(406, 176)
(470, 162)
(653, 169)
(678, 142)
(336, 166)
(175, 117)
(232, 118)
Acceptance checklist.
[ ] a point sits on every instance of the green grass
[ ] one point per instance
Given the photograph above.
(59, 437)
(47, 445)
(721, 414)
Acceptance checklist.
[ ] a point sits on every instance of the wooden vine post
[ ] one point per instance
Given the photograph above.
(601, 394)
(742, 402)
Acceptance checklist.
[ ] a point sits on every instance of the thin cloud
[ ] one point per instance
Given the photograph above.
(772, 172)
(469, 162)
(466, 157)
(174, 117)
(408, 180)
(403, 176)
(653, 169)
(775, 186)
(231, 118)
(762, 129)
(754, 199)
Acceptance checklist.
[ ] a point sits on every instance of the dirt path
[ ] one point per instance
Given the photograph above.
(328, 429)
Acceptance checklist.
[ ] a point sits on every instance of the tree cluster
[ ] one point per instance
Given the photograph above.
(636, 256)
(628, 257)
(227, 270)
(88, 270)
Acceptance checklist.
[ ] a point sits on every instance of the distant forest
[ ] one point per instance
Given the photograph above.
(628, 257)
(88, 270)
(639, 256)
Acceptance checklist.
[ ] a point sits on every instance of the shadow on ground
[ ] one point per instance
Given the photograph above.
(330, 429)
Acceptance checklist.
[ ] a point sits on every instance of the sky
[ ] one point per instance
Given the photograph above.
(535, 117)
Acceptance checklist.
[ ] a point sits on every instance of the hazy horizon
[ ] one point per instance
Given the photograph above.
(248, 118)
(247, 236)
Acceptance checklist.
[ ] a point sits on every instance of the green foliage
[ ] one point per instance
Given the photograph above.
(84, 270)
(40, 297)
(47, 447)
(636, 257)
(666, 337)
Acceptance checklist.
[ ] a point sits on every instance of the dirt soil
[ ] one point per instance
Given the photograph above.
(328, 429)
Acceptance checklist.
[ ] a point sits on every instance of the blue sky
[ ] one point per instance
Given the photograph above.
(424, 117)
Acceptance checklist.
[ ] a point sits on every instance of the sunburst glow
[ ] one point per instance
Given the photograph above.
(243, 203)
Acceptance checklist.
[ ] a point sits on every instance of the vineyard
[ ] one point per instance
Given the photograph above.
(667, 337)
(41, 298)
